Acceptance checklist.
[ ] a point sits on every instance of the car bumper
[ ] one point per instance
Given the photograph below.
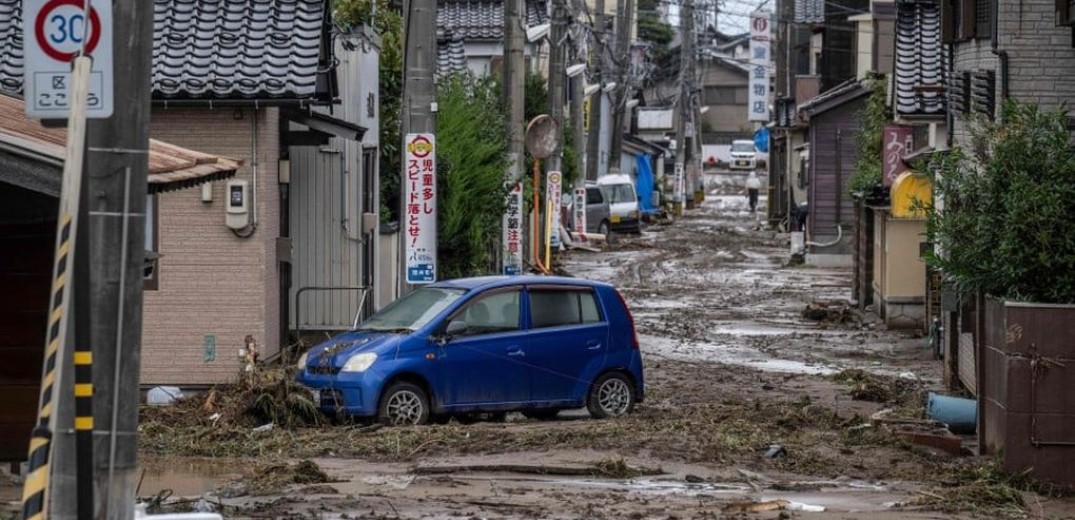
(342, 394)
(626, 225)
(742, 164)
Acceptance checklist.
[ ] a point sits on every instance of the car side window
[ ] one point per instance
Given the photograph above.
(561, 307)
(491, 314)
(593, 196)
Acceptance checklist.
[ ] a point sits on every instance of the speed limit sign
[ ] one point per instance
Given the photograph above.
(53, 33)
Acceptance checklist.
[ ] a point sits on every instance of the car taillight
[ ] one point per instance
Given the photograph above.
(630, 321)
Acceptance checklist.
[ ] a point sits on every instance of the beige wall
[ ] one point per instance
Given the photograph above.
(905, 271)
(210, 280)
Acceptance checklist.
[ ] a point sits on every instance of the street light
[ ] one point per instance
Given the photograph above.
(575, 70)
(534, 34)
(609, 87)
(591, 89)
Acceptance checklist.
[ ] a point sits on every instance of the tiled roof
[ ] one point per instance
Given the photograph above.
(920, 58)
(483, 19)
(214, 49)
(850, 89)
(463, 21)
(809, 11)
(170, 167)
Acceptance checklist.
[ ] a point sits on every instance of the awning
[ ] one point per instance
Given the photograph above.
(326, 124)
(31, 156)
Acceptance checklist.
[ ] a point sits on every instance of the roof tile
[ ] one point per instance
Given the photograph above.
(212, 49)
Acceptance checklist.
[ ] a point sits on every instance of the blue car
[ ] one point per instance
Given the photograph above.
(533, 344)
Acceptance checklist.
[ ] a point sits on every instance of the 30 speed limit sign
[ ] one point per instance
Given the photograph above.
(54, 32)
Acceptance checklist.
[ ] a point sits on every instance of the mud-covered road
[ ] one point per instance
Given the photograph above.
(752, 411)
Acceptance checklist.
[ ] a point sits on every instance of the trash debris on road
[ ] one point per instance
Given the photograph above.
(775, 451)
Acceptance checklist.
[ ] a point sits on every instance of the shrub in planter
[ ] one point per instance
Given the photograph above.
(1007, 225)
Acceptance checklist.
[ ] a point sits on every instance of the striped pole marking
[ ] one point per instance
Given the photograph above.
(36, 485)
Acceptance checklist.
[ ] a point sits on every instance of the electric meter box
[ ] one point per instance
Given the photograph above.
(238, 205)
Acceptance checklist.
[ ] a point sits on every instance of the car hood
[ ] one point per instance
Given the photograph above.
(336, 351)
(743, 154)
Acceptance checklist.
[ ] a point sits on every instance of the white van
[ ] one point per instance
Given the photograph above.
(623, 202)
(744, 155)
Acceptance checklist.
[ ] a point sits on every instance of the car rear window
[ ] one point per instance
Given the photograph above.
(562, 307)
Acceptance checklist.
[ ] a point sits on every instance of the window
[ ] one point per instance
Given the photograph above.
(620, 193)
(725, 95)
(151, 273)
(558, 308)
(983, 19)
(412, 311)
(491, 314)
(593, 196)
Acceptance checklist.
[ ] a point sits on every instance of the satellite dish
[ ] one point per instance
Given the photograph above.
(542, 135)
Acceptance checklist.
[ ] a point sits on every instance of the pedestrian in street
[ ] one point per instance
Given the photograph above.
(753, 185)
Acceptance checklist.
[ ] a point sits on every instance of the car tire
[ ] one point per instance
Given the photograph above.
(542, 415)
(404, 404)
(602, 228)
(611, 395)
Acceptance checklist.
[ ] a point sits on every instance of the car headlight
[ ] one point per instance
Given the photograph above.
(359, 362)
(302, 361)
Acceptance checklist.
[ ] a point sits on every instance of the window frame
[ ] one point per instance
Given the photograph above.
(576, 289)
(152, 241)
(521, 326)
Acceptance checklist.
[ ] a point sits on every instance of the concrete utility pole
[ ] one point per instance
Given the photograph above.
(514, 84)
(115, 207)
(419, 59)
(597, 61)
(686, 85)
(625, 13)
(557, 75)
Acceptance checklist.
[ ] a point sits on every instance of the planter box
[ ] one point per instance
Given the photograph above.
(1026, 405)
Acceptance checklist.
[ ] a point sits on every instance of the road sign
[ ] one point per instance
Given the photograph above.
(53, 33)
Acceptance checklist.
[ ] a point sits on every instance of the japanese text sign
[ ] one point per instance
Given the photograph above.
(554, 191)
(898, 142)
(513, 231)
(760, 62)
(420, 208)
(580, 210)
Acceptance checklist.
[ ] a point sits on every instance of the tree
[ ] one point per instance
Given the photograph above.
(654, 31)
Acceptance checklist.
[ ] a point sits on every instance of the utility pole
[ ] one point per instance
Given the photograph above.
(420, 21)
(684, 101)
(593, 138)
(514, 84)
(115, 207)
(557, 75)
(625, 12)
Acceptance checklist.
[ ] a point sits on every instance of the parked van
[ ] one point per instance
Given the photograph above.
(623, 201)
(533, 344)
(744, 155)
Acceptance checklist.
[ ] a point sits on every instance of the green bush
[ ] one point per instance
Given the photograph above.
(472, 148)
(872, 120)
(1004, 217)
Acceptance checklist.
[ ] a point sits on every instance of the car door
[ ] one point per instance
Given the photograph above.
(484, 365)
(596, 208)
(567, 343)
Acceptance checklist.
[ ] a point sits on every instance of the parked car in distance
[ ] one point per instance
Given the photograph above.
(531, 344)
(598, 210)
(744, 155)
(623, 201)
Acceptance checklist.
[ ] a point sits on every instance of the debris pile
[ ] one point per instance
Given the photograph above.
(275, 477)
(831, 313)
(263, 396)
(865, 386)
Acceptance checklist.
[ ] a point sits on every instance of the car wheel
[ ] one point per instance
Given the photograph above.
(541, 415)
(404, 404)
(612, 395)
(602, 228)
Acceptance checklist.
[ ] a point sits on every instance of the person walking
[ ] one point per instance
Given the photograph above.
(753, 185)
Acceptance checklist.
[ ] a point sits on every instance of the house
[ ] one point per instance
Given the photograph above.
(470, 36)
(1021, 51)
(31, 164)
(256, 81)
(820, 93)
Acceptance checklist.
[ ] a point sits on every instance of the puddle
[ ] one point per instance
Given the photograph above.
(186, 478)
(737, 355)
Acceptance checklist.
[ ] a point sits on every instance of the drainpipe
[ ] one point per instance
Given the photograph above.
(1002, 55)
(249, 231)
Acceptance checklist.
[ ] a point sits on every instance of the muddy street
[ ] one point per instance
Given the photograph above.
(752, 411)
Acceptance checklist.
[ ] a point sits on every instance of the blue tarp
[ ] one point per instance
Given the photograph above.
(645, 184)
(761, 140)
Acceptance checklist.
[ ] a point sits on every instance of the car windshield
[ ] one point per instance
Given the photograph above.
(743, 147)
(620, 193)
(412, 311)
